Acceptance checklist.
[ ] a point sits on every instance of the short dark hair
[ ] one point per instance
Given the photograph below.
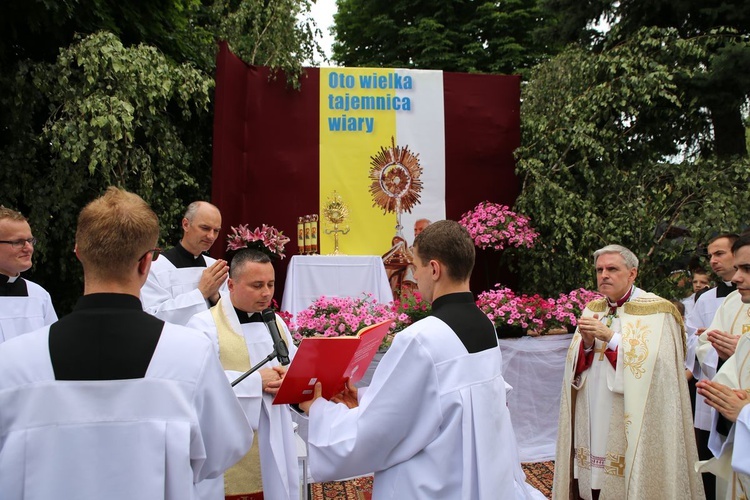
(741, 241)
(449, 243)
(732, 237)
(244, 256)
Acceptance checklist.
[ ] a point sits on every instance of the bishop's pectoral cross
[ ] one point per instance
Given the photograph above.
(601, 351)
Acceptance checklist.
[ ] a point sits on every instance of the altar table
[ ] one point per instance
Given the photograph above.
(312, 276)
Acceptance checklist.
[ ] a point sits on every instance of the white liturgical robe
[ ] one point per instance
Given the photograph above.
(732, 451)
(172, 294)
(146, 438)
(272, 423)
(20, 315)
(432, 424)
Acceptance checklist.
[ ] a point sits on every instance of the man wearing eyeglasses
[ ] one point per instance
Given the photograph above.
(186, 282)
(24, 305)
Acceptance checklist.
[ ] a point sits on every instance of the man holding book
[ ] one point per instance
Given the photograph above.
(242, 340)
(433, 422)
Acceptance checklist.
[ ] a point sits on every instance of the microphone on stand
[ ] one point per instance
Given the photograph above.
(282, 352)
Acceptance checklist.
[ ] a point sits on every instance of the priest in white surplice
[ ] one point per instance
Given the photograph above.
(24, 305)
(625, 427)
(713, 311)
(186, 282)
(242, 340)
(728, 392)
(433, 423)
(110, 402)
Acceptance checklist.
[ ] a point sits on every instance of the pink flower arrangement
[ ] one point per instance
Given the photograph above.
(267, 239)
(507, 309)
(492, 225)
(406, 311)
(338, 316)
(568, 307)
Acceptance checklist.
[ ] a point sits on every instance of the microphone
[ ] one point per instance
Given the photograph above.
(282, 352)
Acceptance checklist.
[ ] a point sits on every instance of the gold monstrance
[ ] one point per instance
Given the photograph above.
(336, 213)
(395, 185)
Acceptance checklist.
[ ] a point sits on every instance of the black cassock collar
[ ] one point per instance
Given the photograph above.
(180, 258)
(13, 287)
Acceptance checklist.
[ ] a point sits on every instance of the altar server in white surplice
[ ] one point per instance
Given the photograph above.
(625, 429)
(242, 340)
(729, 391)
(24, 305)
(186, 282)
(110, 402)
(433, 423)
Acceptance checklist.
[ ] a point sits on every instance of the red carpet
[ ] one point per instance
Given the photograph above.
(539, 475)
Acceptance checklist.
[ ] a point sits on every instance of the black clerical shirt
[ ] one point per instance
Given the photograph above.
(15, 288)
(106, 337)
(461, 314)
(180, 258)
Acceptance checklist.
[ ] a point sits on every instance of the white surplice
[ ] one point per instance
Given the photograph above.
(702, 316)
(732, 452)
(172, 294)
(149, 438)
(20, 315)
(432, 424)
(272, 423)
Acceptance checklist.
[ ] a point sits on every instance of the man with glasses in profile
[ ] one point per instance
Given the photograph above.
(24, 305)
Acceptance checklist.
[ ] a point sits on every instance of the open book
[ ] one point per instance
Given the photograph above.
(330, 361)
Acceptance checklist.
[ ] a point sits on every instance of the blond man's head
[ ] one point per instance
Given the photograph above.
(114, 231)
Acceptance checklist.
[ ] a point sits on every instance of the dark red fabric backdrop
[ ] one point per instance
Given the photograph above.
(265, 156)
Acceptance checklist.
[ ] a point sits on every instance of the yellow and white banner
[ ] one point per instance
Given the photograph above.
(363, 111)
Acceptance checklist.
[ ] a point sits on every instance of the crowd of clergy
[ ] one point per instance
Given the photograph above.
(129, 395)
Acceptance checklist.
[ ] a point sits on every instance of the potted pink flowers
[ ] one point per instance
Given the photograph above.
(495, 226)
(338, 316)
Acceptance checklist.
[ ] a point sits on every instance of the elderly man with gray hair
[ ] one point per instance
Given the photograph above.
(625, 427)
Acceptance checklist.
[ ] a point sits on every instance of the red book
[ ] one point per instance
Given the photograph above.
(330, 361)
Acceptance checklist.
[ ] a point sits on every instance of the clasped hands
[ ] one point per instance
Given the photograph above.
(591, 329)
(727, 401)
(348, 397)
(271, 378)
(724, 343)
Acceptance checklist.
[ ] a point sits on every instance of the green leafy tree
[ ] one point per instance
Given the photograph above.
(722, 89)
(131, 105)
(116, 116)
(605, 159)
(490, 37)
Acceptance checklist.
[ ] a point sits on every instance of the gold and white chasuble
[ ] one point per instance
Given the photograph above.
(650, 445)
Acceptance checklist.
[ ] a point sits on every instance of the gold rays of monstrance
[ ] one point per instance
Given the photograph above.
(395, 185)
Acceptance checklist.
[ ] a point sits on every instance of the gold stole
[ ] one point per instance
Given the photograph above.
(244, 477)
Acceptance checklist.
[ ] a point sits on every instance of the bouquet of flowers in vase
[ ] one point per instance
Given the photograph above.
(513, 314)
(338, 316)
(406, 311)
(495, 226)
(267, 239)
